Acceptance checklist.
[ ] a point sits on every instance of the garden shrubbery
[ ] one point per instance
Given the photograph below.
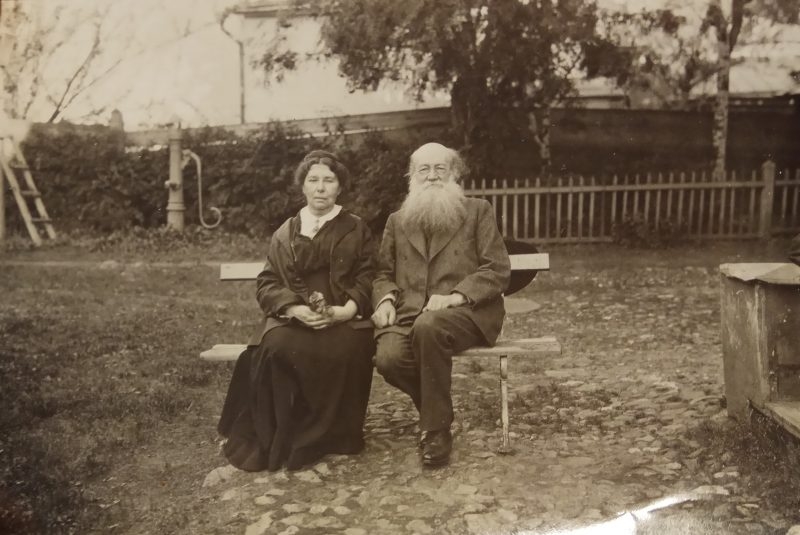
(92, 183)
(97, 188)
(89, 181)
(635, 231)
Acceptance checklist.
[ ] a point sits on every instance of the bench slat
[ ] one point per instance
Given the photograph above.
(243, 271)
(537, 261)
(222, 352)
(544, 346)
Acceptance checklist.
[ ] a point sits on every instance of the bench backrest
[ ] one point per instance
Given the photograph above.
(523, 268)
(245, 271)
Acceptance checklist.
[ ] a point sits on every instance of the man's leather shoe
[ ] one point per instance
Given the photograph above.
(423, 438)
(436, 448)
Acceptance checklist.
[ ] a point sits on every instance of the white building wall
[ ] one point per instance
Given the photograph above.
(315, 88)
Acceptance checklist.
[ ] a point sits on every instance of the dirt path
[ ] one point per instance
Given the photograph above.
(617, 424)
(555, 479)
(632, 414)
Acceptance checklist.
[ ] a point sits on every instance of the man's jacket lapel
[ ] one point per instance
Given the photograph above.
(439, 241)
(442, 238)
(415, 237)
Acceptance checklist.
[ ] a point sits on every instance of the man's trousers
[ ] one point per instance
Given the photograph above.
(420, 363)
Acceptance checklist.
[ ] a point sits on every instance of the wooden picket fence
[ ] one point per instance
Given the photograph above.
(579, 209)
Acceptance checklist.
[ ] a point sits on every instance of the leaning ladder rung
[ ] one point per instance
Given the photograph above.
(30, 191)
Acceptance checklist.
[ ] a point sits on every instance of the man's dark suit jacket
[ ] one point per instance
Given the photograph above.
(470, 259)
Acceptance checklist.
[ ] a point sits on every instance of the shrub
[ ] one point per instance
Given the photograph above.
(378, 166)
(635, 231)
(91, 182)
(248, 179)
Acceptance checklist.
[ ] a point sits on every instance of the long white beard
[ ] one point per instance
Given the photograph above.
(434, 207)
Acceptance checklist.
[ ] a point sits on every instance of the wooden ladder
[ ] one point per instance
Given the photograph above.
(36, 218)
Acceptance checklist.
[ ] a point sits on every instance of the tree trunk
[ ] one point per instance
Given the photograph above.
(720, 134)
(8, 86)
(460, 113)
(541, 136)
(470, 113)
(726, 41)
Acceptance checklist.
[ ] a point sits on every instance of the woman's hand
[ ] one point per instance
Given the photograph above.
(315, 320)
(307, 317)
(343, 313)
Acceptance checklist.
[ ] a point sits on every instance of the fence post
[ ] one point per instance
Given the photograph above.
(175, 206)
(767, 198)
(2, 201)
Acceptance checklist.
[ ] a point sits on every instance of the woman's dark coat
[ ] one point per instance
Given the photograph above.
(351, 273)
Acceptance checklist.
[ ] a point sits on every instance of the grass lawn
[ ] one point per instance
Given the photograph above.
(104, 400)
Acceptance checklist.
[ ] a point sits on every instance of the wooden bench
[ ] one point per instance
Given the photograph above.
(523, 268)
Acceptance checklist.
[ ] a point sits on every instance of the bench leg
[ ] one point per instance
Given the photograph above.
(505, 447)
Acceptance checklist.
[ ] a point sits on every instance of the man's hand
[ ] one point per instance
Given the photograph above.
(439, 302)
(385, 315)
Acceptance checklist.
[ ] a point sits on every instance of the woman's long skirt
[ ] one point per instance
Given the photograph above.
(299, 395)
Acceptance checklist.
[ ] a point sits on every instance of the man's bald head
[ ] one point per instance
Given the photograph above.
(435, 157)
(432, 150)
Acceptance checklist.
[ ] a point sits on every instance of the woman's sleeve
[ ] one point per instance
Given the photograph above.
(364, 273)
(272, 293)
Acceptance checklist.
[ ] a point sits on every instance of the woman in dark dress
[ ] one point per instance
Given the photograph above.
(300, 390)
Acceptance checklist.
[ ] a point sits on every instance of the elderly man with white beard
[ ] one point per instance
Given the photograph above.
(438, 289)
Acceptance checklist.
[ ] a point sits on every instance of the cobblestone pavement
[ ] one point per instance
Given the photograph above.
(624, 433)
(605, 436)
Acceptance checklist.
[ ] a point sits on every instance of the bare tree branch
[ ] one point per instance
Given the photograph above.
(80, 72)
(24, 78)
(737, 16)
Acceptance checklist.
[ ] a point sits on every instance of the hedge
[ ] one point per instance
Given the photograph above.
(92, 182)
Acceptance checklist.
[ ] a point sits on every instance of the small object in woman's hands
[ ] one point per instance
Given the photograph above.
(317, 303)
